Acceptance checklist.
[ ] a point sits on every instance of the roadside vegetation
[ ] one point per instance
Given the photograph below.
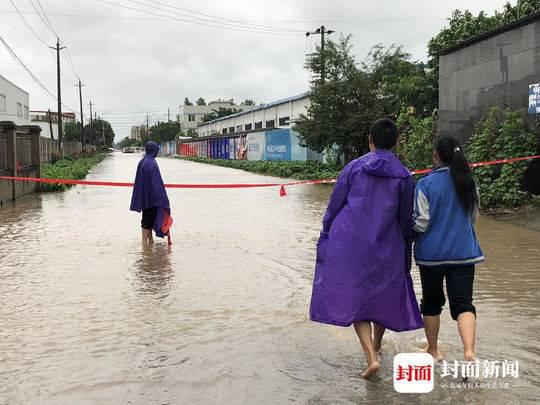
(71, 168)
(308, 170)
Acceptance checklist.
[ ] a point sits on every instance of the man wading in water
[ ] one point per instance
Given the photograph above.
(150, 197)
(364, 251)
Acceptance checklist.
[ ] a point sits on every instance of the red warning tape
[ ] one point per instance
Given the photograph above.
(235, 185)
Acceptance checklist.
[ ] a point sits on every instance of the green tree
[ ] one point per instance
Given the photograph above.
(72, 131)
(221, 112)
(187, 102)
(353, 96)
(102, 133)
(164, 131)
(201, 101)
(248, 102)
(127, 141)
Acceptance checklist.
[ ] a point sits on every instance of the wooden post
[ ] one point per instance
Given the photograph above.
(10, 129)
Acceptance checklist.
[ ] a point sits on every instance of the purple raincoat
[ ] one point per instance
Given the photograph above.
(149, 190)
(363, 263)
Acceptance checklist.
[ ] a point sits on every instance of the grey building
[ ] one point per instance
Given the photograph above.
(490, 68)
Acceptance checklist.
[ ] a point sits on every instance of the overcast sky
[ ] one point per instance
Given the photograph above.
(134, 62)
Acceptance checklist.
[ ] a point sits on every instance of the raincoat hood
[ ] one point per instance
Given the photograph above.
(148, 188)
(383, 163)
(152, 149)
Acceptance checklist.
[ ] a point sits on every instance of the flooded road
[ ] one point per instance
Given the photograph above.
(89, 316)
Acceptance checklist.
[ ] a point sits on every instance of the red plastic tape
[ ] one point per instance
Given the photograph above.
(235, 185)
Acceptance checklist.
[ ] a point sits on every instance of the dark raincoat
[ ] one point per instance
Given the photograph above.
(364, 252)
(149, 191)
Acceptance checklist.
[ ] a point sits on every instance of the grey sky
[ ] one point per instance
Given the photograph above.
(133, 62)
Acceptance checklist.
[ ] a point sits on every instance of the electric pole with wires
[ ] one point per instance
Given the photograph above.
(91, 124)
(82, 120)
(58, 48)
(321, 31)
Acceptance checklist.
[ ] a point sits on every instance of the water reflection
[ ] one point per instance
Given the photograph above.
(153, 270)
(88, 315)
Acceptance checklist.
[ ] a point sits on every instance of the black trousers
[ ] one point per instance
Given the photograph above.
(459, 287)
(148, 217)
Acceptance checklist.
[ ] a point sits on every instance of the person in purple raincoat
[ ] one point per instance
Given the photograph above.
(150, 197)
(362, 274)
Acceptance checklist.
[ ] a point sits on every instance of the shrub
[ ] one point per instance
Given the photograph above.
(69, 168)
(500, 134)
(415, 148)
(301, 170)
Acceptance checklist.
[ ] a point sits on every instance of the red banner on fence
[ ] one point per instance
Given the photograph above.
(235, 185)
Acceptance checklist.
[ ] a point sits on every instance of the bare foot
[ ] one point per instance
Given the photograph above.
(371, 370)
(469, 356)
(436, 354)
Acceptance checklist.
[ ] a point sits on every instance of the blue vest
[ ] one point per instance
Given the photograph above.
(445, 231)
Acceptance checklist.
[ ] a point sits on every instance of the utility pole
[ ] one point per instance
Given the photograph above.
(147, 127)
(58, 48)
(321, 31)
(91, 123)
(168, 114)
(82, 120)
(50, 124)
(103, 131)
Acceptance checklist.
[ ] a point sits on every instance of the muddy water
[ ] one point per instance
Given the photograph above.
(89, 316)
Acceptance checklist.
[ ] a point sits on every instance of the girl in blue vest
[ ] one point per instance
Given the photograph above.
(446, 207)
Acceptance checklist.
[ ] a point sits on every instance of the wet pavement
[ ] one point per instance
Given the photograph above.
(87, 315)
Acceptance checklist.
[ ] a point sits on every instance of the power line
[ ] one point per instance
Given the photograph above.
(41, 17)
(34, 78)
(28, 25)
(192, 21)
(47, 18)
(216, 19)
(350, 21)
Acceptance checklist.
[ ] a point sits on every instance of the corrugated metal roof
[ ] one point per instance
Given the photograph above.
(259, 107)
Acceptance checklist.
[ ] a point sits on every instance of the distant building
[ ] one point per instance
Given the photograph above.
(190, 116)
(14, 103)
(494, 67)
(277, 114)
(42, 118)
(136, 133)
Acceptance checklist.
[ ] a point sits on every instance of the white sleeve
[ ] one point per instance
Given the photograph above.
(421, 212)
(476, 208)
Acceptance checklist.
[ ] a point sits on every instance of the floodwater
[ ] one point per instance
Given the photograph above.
(88, 316)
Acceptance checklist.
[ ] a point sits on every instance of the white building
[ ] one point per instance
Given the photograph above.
(278, 114)
(14, 103)
(190, 116)
(136, 133)
(49, 121)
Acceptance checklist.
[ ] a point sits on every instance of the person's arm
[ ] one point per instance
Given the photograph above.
(476, 208)
(405, 212)
(421, 209)
(337, 199)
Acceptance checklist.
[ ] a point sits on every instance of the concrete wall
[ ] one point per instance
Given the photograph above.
(22, 152)
(471, 79)
(13, 95)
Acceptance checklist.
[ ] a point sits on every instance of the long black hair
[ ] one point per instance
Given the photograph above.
(450, 152)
